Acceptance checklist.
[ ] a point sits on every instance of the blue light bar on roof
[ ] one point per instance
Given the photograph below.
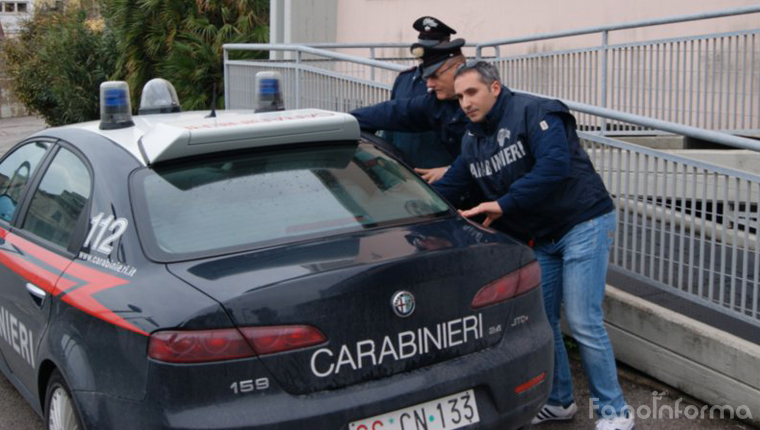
(115, 107)
(268, 94)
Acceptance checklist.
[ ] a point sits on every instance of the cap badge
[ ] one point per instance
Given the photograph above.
(429, 22)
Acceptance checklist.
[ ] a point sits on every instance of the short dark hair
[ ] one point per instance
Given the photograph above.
(487, 72)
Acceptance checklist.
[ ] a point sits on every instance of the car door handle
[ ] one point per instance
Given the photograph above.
(37, 293)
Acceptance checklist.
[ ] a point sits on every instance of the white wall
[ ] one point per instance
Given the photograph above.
(303, 21)
(482, 20)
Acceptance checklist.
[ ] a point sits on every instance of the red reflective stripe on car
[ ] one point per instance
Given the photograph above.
(90, 281)
(40, 277)
(33, 273)
(37, 251)
(95, 282)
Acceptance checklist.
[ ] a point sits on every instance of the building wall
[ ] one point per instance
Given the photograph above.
(302, 21)
(483, 20)
(11, 13)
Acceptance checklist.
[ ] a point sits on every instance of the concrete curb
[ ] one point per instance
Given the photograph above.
(715, 367)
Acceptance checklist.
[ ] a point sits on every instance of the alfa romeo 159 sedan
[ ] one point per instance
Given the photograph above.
(255, 271)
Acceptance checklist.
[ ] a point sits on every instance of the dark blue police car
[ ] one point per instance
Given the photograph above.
(255, 271)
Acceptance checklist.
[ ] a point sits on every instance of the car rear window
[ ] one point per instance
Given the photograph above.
(243, 201)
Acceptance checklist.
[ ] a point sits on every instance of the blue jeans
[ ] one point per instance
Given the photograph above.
(573, 271)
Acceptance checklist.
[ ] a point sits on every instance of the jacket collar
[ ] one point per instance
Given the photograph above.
(491, 122)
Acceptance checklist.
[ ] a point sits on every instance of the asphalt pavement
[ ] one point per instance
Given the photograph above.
(654, 403)
(640, 392)
(12, 130)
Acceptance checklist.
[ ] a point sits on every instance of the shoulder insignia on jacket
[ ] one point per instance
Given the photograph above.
(544, 125)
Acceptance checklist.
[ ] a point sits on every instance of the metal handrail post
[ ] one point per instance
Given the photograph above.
(226, 79)
(298, 79)
(372, 70)
(605, 48)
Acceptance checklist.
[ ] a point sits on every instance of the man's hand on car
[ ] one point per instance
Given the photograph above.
(431, 175)
(492, 210)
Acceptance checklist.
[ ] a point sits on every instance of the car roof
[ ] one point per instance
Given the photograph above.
(162, 137)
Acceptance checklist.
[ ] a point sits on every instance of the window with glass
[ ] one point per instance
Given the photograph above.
(60, 199)
(15, 171)
(244, 201)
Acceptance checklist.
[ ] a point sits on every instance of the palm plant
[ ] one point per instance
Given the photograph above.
(182, 41)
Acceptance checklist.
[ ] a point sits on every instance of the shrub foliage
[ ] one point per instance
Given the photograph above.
(57, 64)
(60, 57)
(181, 41)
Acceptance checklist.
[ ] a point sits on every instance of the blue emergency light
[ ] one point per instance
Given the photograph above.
(115, 107)
(268, 94)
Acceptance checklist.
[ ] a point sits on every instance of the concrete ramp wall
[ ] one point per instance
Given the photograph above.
(705, 362)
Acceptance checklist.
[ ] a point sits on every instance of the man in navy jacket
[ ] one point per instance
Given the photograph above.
(525, 157)
(420, 150)
(436, 111)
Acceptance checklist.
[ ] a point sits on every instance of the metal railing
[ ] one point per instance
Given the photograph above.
(314, 78)
(709, 81)
(686, 226)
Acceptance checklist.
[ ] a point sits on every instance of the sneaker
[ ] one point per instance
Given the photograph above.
(617, 423)
(552, 413)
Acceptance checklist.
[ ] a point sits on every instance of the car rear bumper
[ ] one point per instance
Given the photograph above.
(524, 353)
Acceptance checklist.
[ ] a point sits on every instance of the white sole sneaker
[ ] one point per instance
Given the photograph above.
(618, 423)
(555, 413)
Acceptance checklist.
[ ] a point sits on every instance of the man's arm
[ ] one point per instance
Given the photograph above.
(397, 115)
(551, 150)
(433, 174)
(455, 182)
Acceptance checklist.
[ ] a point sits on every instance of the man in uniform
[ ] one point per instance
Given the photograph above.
(435, 111)
(523, 153)
(420, 150)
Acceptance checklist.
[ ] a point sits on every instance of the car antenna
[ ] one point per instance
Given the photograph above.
(213, 103)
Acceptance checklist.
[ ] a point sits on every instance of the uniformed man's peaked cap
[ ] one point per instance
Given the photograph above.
(434, 56)
(432, 29)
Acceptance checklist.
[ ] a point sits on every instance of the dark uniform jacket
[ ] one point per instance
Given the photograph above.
(417, 149)
(421, 113)
(526, 156)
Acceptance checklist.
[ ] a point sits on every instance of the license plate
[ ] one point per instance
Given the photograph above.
(450, 412)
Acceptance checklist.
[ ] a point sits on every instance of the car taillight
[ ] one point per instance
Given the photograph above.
(198, 346)
(268, 340)
(514, 284)
(226, 344)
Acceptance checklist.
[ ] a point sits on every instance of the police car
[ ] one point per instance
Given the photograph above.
(241, 270)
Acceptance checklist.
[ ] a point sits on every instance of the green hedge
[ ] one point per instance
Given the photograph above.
(57, 64)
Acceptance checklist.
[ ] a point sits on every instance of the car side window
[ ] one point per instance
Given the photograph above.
(60, 199)
(15, 172)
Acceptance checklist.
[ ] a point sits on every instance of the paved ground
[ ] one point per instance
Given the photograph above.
(13, 130)
(639, 391)
(16, 414)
